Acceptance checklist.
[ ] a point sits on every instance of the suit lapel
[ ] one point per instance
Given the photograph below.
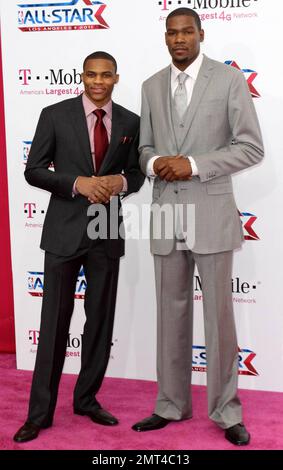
(116, 134)
(80, 125)
(204, 76)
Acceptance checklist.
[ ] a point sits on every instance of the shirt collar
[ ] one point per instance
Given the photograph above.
(192, 70)
(89, 106)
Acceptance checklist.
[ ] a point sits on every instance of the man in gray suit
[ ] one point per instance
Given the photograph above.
(198, 127)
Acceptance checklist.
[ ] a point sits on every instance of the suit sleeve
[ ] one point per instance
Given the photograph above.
(246, 147)
(146, 145)
(41, 155)
(132, 173)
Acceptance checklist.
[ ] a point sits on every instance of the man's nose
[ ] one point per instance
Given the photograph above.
(97, 78)
(180, 37)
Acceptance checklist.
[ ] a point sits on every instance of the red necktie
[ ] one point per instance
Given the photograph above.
(100, 138)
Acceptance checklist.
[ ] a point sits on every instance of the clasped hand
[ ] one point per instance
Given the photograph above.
(99, 189)
(173, 168)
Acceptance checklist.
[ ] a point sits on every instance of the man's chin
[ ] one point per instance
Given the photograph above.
(181, 60)
(98, 97)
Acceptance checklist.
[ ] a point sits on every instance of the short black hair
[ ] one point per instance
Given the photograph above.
(185, 12)
(101, 55)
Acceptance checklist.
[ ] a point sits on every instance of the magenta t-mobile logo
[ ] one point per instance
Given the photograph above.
(164, 4)
(24, 76)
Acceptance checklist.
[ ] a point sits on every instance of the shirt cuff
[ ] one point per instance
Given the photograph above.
(194, 166)
(125, 184)
(75, 192)
(149, 167)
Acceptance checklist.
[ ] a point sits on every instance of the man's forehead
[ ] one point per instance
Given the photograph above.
(99, 65)
(184, 20)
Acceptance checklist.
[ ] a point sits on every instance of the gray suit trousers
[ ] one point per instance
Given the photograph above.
(174, 289)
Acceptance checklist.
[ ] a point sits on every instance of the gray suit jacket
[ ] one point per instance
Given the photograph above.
(222, 135)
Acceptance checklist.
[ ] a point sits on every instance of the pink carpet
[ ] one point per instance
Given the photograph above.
(130, 401)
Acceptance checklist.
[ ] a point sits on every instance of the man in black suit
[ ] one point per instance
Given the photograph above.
(92, 143)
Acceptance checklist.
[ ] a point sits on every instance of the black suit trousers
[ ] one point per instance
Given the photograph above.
(60, 277)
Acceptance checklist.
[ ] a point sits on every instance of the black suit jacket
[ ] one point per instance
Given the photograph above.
(62, 137)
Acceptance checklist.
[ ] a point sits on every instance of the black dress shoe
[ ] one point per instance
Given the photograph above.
(27, 432)
(238, 435)
(99, 416)
(151, 423)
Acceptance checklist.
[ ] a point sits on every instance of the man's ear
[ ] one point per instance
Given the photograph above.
(117, 78)
(166, 38)
(201, 35)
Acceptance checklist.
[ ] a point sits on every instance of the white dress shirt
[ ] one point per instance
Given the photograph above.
(192, 72)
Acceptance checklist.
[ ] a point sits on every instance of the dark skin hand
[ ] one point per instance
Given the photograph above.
(99, 189)
(173, 168)
(115, 182)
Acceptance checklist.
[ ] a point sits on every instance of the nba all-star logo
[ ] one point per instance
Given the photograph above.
(248, 220)
(246, 356)
(250, 77)
(25, 150)
(61, 15)
(245, 359)
(35, 284)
